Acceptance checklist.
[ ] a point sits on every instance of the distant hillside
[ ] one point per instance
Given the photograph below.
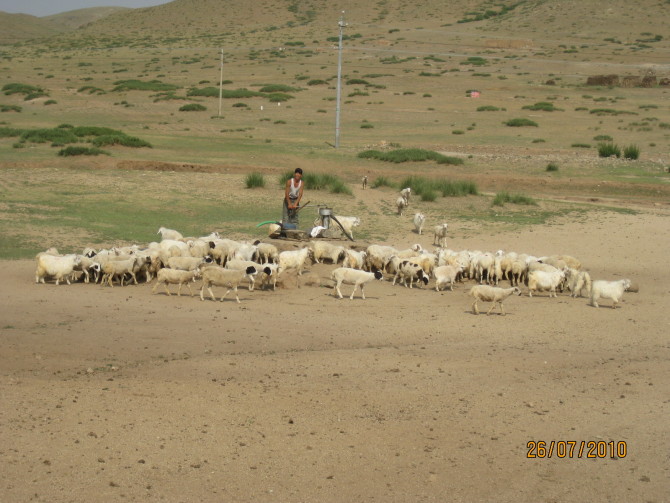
(19, 27)
(71, 20)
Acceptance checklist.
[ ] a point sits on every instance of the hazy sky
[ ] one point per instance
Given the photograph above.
(47, 7)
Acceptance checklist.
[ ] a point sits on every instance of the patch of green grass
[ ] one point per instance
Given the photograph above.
(192, 107)
(543, 106)
(254, 180)
(139, 85)
(608, 150)
(319, 181)
(501, 198)
(382, 181)
(75, 150)
(603, 137)
(448, 188)
(610, 111)
(521, 122)
(581, 145)
(409, 155)
(631, 152)
(489, 108)
(26, 89)
(552, 166)
(10, 108)
(120, 139)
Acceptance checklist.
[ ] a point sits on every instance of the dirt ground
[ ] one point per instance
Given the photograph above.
(115, 394)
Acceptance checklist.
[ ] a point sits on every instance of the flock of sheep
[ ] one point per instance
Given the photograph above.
(220, 262)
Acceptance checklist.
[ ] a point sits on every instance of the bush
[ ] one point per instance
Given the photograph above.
(278, 88)
(56, 135)
(608, 150)
(68, 151)
(488, 108)
(21, 89)
(50, 102)
(544, 106)
(603, 137)
(581, 145)
(120, 139)
(631, 152)
(138, 85)
(409, 155)
(505, 197)
(254, 180)
(367, 125)
(192, 107)
(10, 108)
(428, 195)
(7, 132)
(552, 166)
(447, 188)
(520, 123)
(381, 181)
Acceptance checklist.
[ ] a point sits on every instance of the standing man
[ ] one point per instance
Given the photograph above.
(292, 196)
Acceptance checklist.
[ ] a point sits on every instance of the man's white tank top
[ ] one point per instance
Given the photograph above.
(294, 190)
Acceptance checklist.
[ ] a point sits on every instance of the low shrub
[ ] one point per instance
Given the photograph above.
(521, 123)
(139, 85)
(552, 166)
(543, 106)
(10, 108)
(608, 150)
(409, 155)
(192, 107)
(581, 145)
(382, 181)
(75, 150)
(254, 180)
(505, 197)
(120, 139)
(631, 152)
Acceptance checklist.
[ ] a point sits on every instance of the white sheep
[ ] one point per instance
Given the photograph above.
(169, 234)
(354, 277)
(266, 252)
(354, 259)
(113, 268)
(401, 203)
(541, 281)
(440, 237)
(325, 250)
(406, 194)
(187, 263)
(218, 276)
(176, 277)
(577, 281)
(348, 224)
(483, 266)
(294, 259)
(495, 294)
(378, 256)
(609, 290)
(419, 219)
(269, 274)
(446, 275)
(245, 251)
(58, 266)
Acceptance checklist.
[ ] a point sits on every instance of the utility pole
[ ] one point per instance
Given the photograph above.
(341, 24)
(221, 83)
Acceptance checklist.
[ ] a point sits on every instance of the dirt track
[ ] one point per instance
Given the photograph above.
(297, 396)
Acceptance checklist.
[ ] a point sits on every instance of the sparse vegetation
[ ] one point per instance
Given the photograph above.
(409, 155)
(193, 107)
(254, 180)
(608, 150)
(76, 150)
(631, 152)
(521, 122)
(504, 197)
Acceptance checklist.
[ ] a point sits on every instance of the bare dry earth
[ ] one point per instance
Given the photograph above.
(118, 394)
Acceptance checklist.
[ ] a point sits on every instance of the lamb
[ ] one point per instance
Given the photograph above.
(401, 203)
(578, 281)
(440, 238)
(294, 259)
(406, 193)
(419, 219)
(229, 278)
(354, 277)
(266, 252)
(269, 275)
(169, 234)
(176, 276)
(609, 290)
(325, 250)
(354, 259)
(495, 294)
(446, 274)
(58, 266)
(542, 280)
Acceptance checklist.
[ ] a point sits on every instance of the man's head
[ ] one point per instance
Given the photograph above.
(297, 173)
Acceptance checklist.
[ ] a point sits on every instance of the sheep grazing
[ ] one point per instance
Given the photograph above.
(354, 277)
(58, 266)
(401, 203)
(495, 294)
(294, 259)
(609, 290)
(218, 276)
(175, 277)
(542, 281)
(440, 238)
(446, 275)
(419, 219)
(169, 234)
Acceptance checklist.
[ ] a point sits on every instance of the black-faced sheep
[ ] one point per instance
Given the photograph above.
(218, 276)
(354, 277)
